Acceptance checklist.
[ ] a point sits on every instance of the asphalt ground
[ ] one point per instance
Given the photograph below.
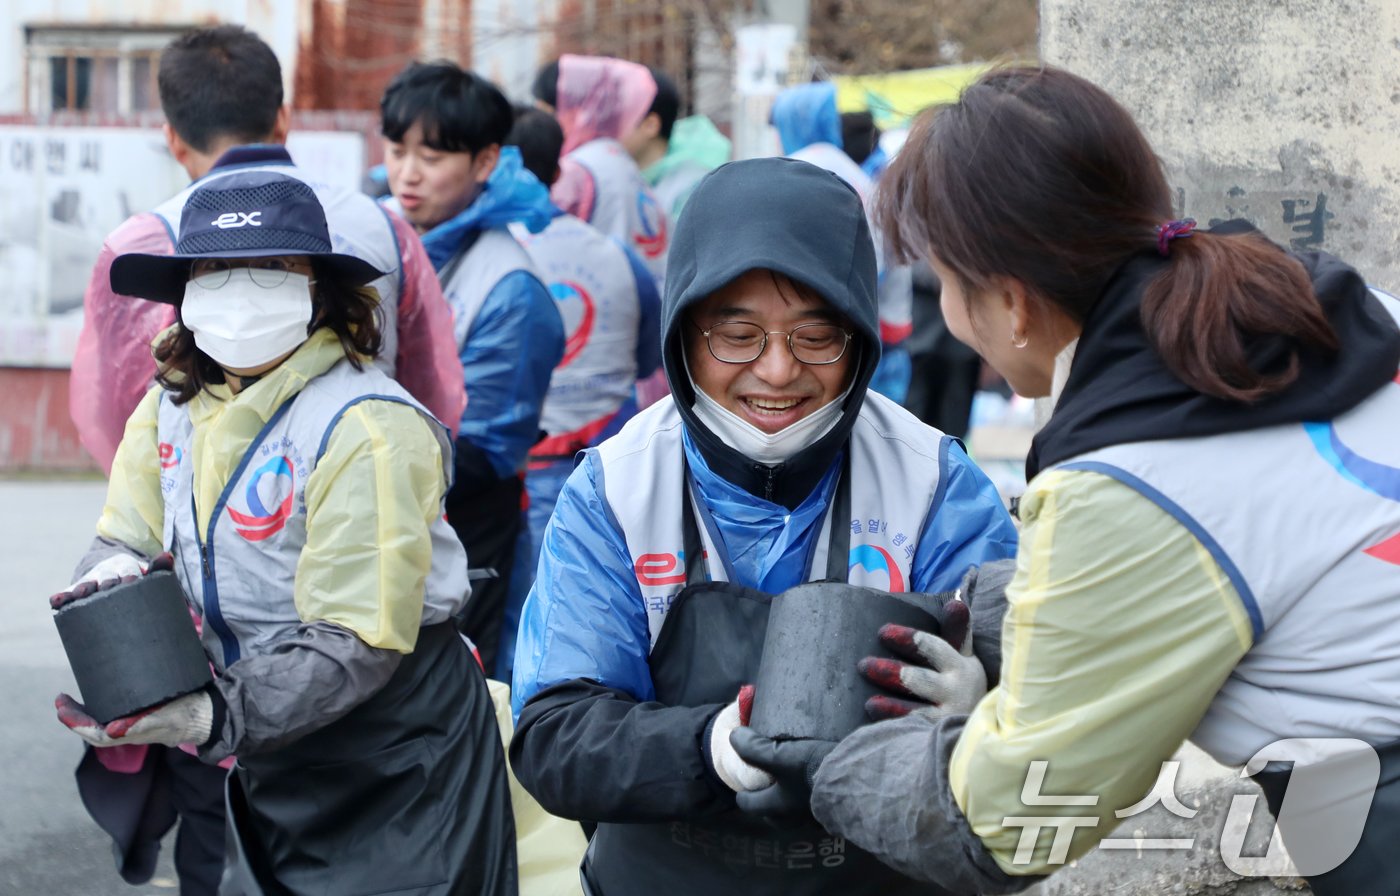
(48, 844)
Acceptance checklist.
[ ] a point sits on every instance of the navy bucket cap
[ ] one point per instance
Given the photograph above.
(249, 214)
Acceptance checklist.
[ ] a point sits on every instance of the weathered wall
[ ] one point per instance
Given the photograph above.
(1180, 849)
(275, 21)
(1283, 112)
(510, 40)
(36, 432)
(349, 51)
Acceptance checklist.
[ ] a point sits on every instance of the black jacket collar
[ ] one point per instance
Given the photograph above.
(253, 154)
(1119, 390)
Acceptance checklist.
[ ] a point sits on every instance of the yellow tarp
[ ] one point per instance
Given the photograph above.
(896, 97)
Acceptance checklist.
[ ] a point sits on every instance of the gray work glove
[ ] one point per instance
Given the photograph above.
(970, 621)
(983, 589)
(941, 677)
(184, 720)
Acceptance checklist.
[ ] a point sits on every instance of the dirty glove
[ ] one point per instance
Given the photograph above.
(792, 763)
(943, 678)
(737, 774)
(184, 720)
(983, 589)
(118, 568)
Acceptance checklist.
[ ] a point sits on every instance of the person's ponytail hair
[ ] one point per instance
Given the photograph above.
(1038, 175)
(1232, 314)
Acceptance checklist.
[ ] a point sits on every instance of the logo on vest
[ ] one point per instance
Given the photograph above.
(1378, 478)
(578, 310)
(652, 220)
(874, 566)
(655, 570)
(276, 480)
(876, 562)
(229, 220)
(170, 455)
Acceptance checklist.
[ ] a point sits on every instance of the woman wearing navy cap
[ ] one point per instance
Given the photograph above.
(300, 493)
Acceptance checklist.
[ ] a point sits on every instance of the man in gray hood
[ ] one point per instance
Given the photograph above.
(770, 466)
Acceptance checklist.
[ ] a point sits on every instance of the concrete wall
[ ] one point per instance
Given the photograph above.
(1164, 851)
(510, 40)
(1281, 112)
(275, 21)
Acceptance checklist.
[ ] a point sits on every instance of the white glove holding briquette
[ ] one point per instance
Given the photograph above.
(737, 774)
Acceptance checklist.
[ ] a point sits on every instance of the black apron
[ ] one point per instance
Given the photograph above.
(1371, 869)
(407, 794)
(709, 646)
(137, 810)
(487, 523)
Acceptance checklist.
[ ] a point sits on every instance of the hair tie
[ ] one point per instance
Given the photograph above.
(1173, 230)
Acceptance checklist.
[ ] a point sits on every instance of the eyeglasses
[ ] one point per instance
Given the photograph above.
(739, 342)
(269, 273)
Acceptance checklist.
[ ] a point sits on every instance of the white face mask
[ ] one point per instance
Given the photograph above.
(754, 443)
(243, 325)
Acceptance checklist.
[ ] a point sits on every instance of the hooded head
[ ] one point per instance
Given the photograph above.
(597, 96)
(789, 243)
(807, 114)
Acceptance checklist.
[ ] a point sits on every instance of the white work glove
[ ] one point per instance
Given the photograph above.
(111, 571)
(737, 774)
(942, 679)
(184, 720)
(117, 566)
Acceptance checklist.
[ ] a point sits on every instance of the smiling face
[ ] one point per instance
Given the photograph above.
(433, 185)
(775, 390)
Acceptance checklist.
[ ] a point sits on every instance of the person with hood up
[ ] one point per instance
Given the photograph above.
(612, 315)
(1211, 533)
(297, 494)
(810, 129)
(771, 466)
(601, 103)
(443, 129)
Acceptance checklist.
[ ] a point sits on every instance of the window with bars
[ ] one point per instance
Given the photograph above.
(97, 70)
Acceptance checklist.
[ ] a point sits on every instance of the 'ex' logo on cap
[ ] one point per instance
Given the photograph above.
(230, 220)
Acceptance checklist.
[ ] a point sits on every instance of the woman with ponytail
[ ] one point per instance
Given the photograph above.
(1211, 531)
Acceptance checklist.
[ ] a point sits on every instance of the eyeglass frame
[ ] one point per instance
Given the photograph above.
(291, 268)
(763, 346)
